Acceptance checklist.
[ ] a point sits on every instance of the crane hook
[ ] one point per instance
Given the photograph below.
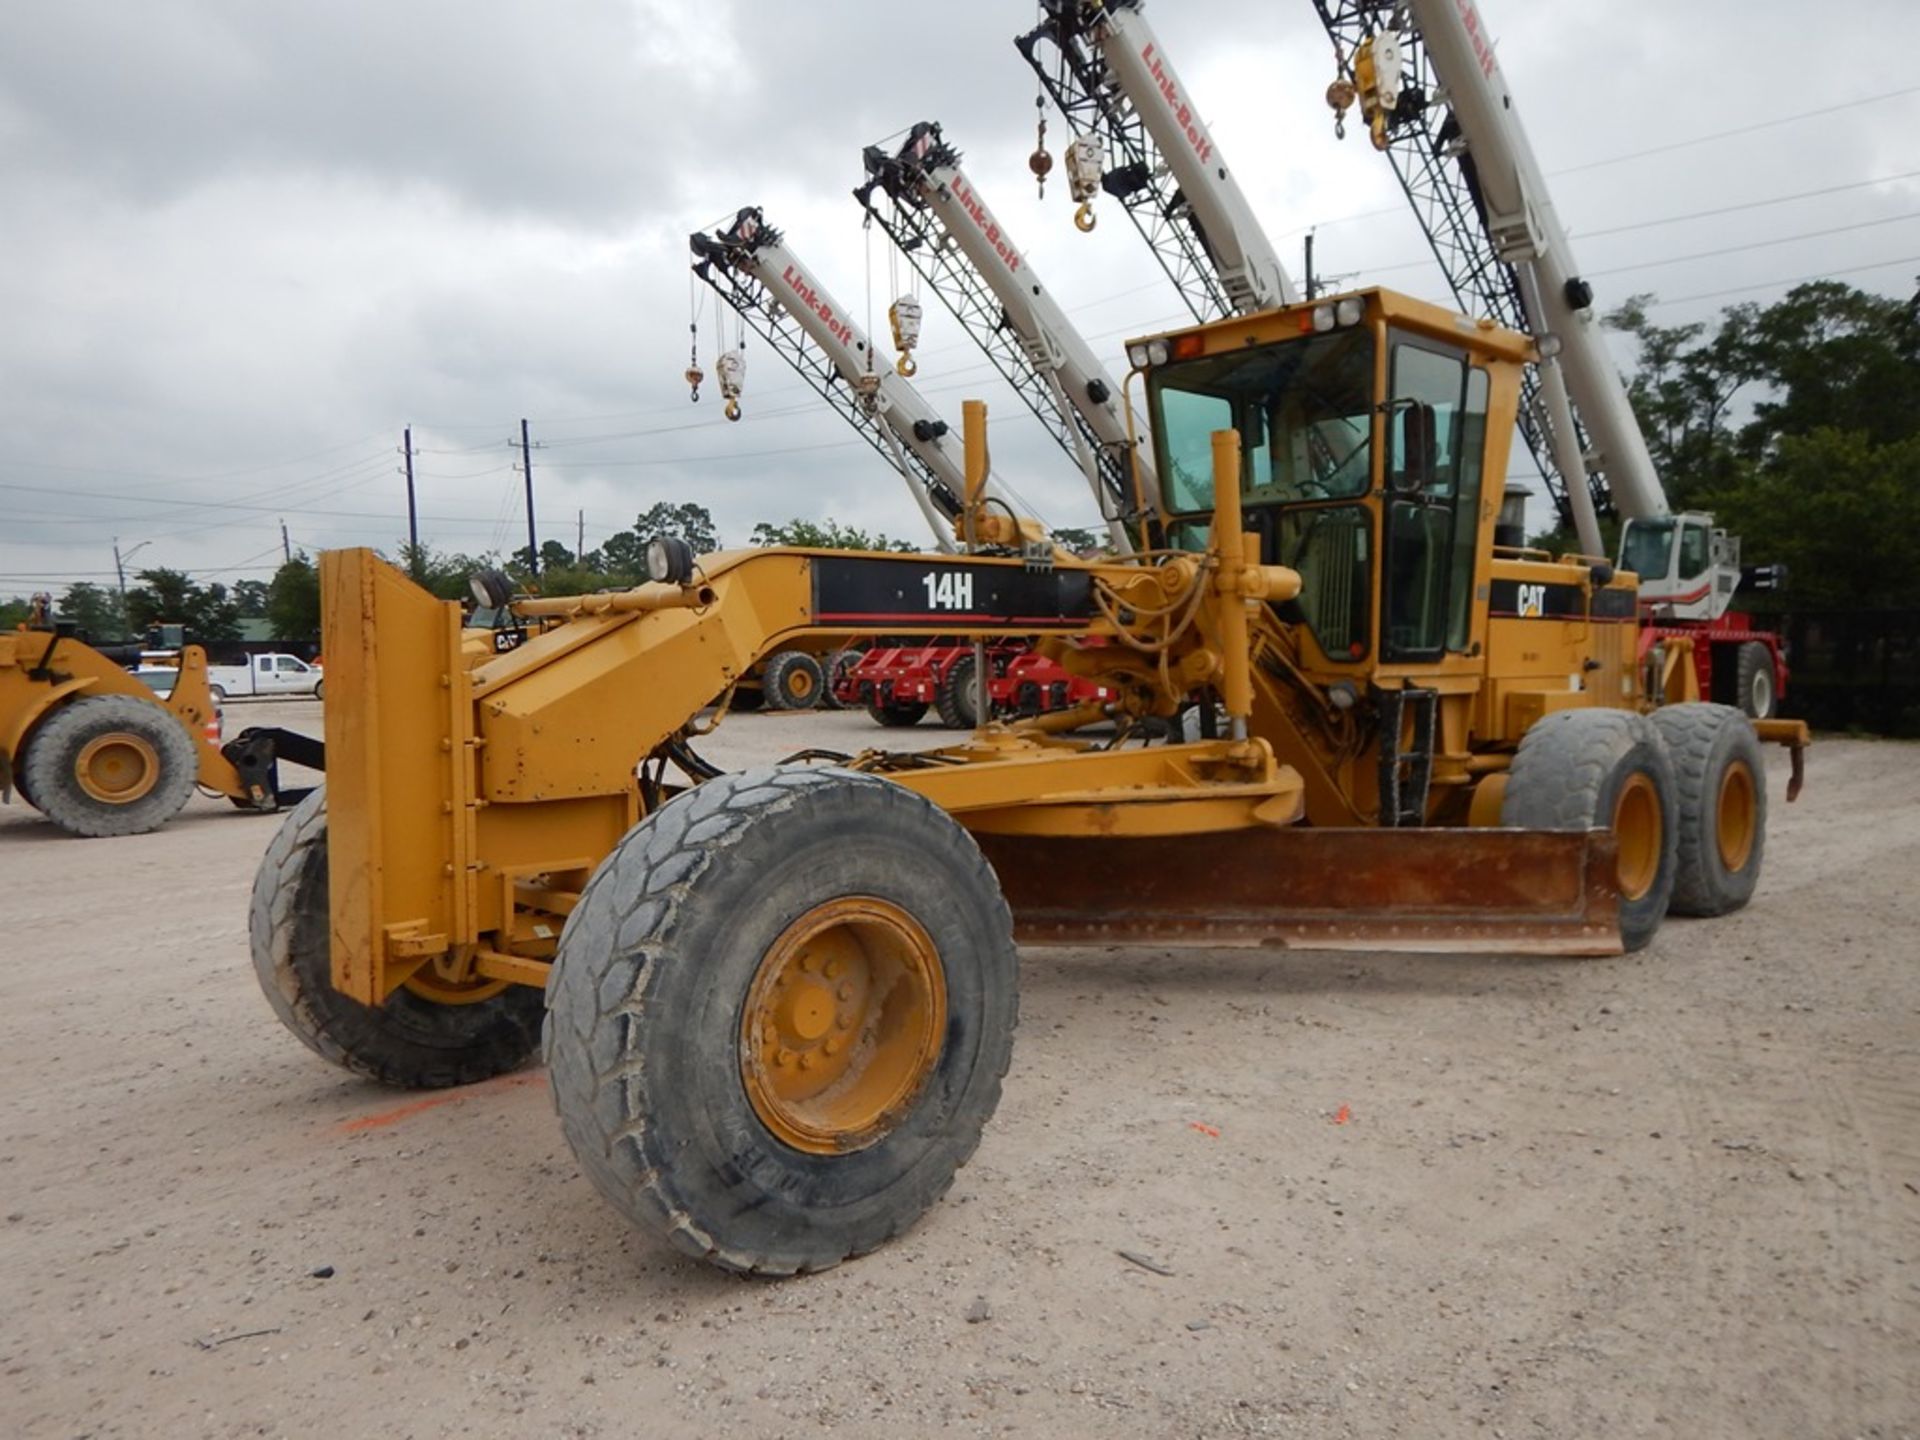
(1084, 219)
(733, 409)
(905, 367)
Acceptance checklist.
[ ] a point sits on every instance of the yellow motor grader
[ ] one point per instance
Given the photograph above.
(777, 1004)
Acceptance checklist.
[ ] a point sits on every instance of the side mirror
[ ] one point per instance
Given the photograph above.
(1415, 447)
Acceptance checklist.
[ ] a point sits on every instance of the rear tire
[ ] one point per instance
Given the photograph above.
(956, 700)
(897, 714)
(219, 693)
(669, 1048)
(1720, 789)
(409, 1042)
(1758, 694)
(1604, 770)
(792, 680)
(109, 765)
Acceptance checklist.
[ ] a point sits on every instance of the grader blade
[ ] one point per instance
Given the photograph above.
(1496, 891)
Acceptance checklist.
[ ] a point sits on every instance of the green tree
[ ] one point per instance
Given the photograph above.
(1073, 537)
(171, 597)
(13, 612)
(1842, 513)
(826, 535)
(293, 600)
(94, 610)
(250, 599)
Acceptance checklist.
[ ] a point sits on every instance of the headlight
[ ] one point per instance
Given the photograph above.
(1323, 318)
(1349, 310)
(669, 560)
(1156, 352)
(1137, 356)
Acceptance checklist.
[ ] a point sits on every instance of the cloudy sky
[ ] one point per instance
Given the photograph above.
(248, 241)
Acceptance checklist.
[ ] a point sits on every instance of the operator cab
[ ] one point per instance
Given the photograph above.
(1363, 427)
(1689, 568)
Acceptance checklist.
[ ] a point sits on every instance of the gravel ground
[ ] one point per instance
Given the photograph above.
(1672, 1194)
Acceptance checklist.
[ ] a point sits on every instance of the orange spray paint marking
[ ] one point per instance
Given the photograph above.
(381, 1119)
(1206, 1130)
(1342, 1115)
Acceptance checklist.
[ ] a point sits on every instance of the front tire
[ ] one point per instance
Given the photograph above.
(109, 765)
(792, 680)
(773, 1063)
(1604, 770)
(409, 1042)
(1720, 787)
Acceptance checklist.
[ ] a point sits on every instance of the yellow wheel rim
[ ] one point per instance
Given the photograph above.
(843, 1024)
(1639, 832)
(799, 684)
(118, 768)
(1738, 822)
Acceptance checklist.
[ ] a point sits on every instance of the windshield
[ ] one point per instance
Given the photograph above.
(1646, 548)
(1304, 410)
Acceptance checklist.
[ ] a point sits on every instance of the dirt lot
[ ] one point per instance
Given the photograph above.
(1674, 1194)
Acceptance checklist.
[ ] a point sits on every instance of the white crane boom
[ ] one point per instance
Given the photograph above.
(751, 267)
(940, 221)
(1426, 75)
(1111, 76)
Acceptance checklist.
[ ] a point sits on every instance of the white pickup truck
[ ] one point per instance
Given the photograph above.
(265, 675)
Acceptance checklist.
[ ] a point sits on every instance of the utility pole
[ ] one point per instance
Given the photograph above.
(1312, 288)
(526, 466)
(286, 545)
(120, 570)
(580, 538)
(413, 516)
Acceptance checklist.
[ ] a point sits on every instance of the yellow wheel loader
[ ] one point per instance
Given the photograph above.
(777, 1005)
(98, 753)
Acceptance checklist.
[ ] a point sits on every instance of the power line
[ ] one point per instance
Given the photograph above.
(1788, 280)
(1740, 130)
(1755, 245)
(1747, 205)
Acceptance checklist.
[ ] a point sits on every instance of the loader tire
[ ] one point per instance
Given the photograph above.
(718, 959)
(791, 680)
(1604, 770)
(1720, 787)
(956, 701)
(897, 714)
(1754, 681)
(833, 672)
(409, 1042)
(109, 765)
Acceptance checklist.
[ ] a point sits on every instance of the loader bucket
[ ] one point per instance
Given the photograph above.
(1522, 892)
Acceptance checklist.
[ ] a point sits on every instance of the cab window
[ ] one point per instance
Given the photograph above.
(1436, 431)
(1693, 551)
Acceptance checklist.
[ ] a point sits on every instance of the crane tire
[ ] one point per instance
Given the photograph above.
(791, 680)
(1755, 682)
(959, 707)
(838, 663)
(1599, 769)
(1720, 788)
(109, 765)
(669, 1014)
(897, 714)
(409, 1042)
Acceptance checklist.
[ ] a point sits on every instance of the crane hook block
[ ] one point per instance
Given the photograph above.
(732, 370)
(904, 316)
(694, 376)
